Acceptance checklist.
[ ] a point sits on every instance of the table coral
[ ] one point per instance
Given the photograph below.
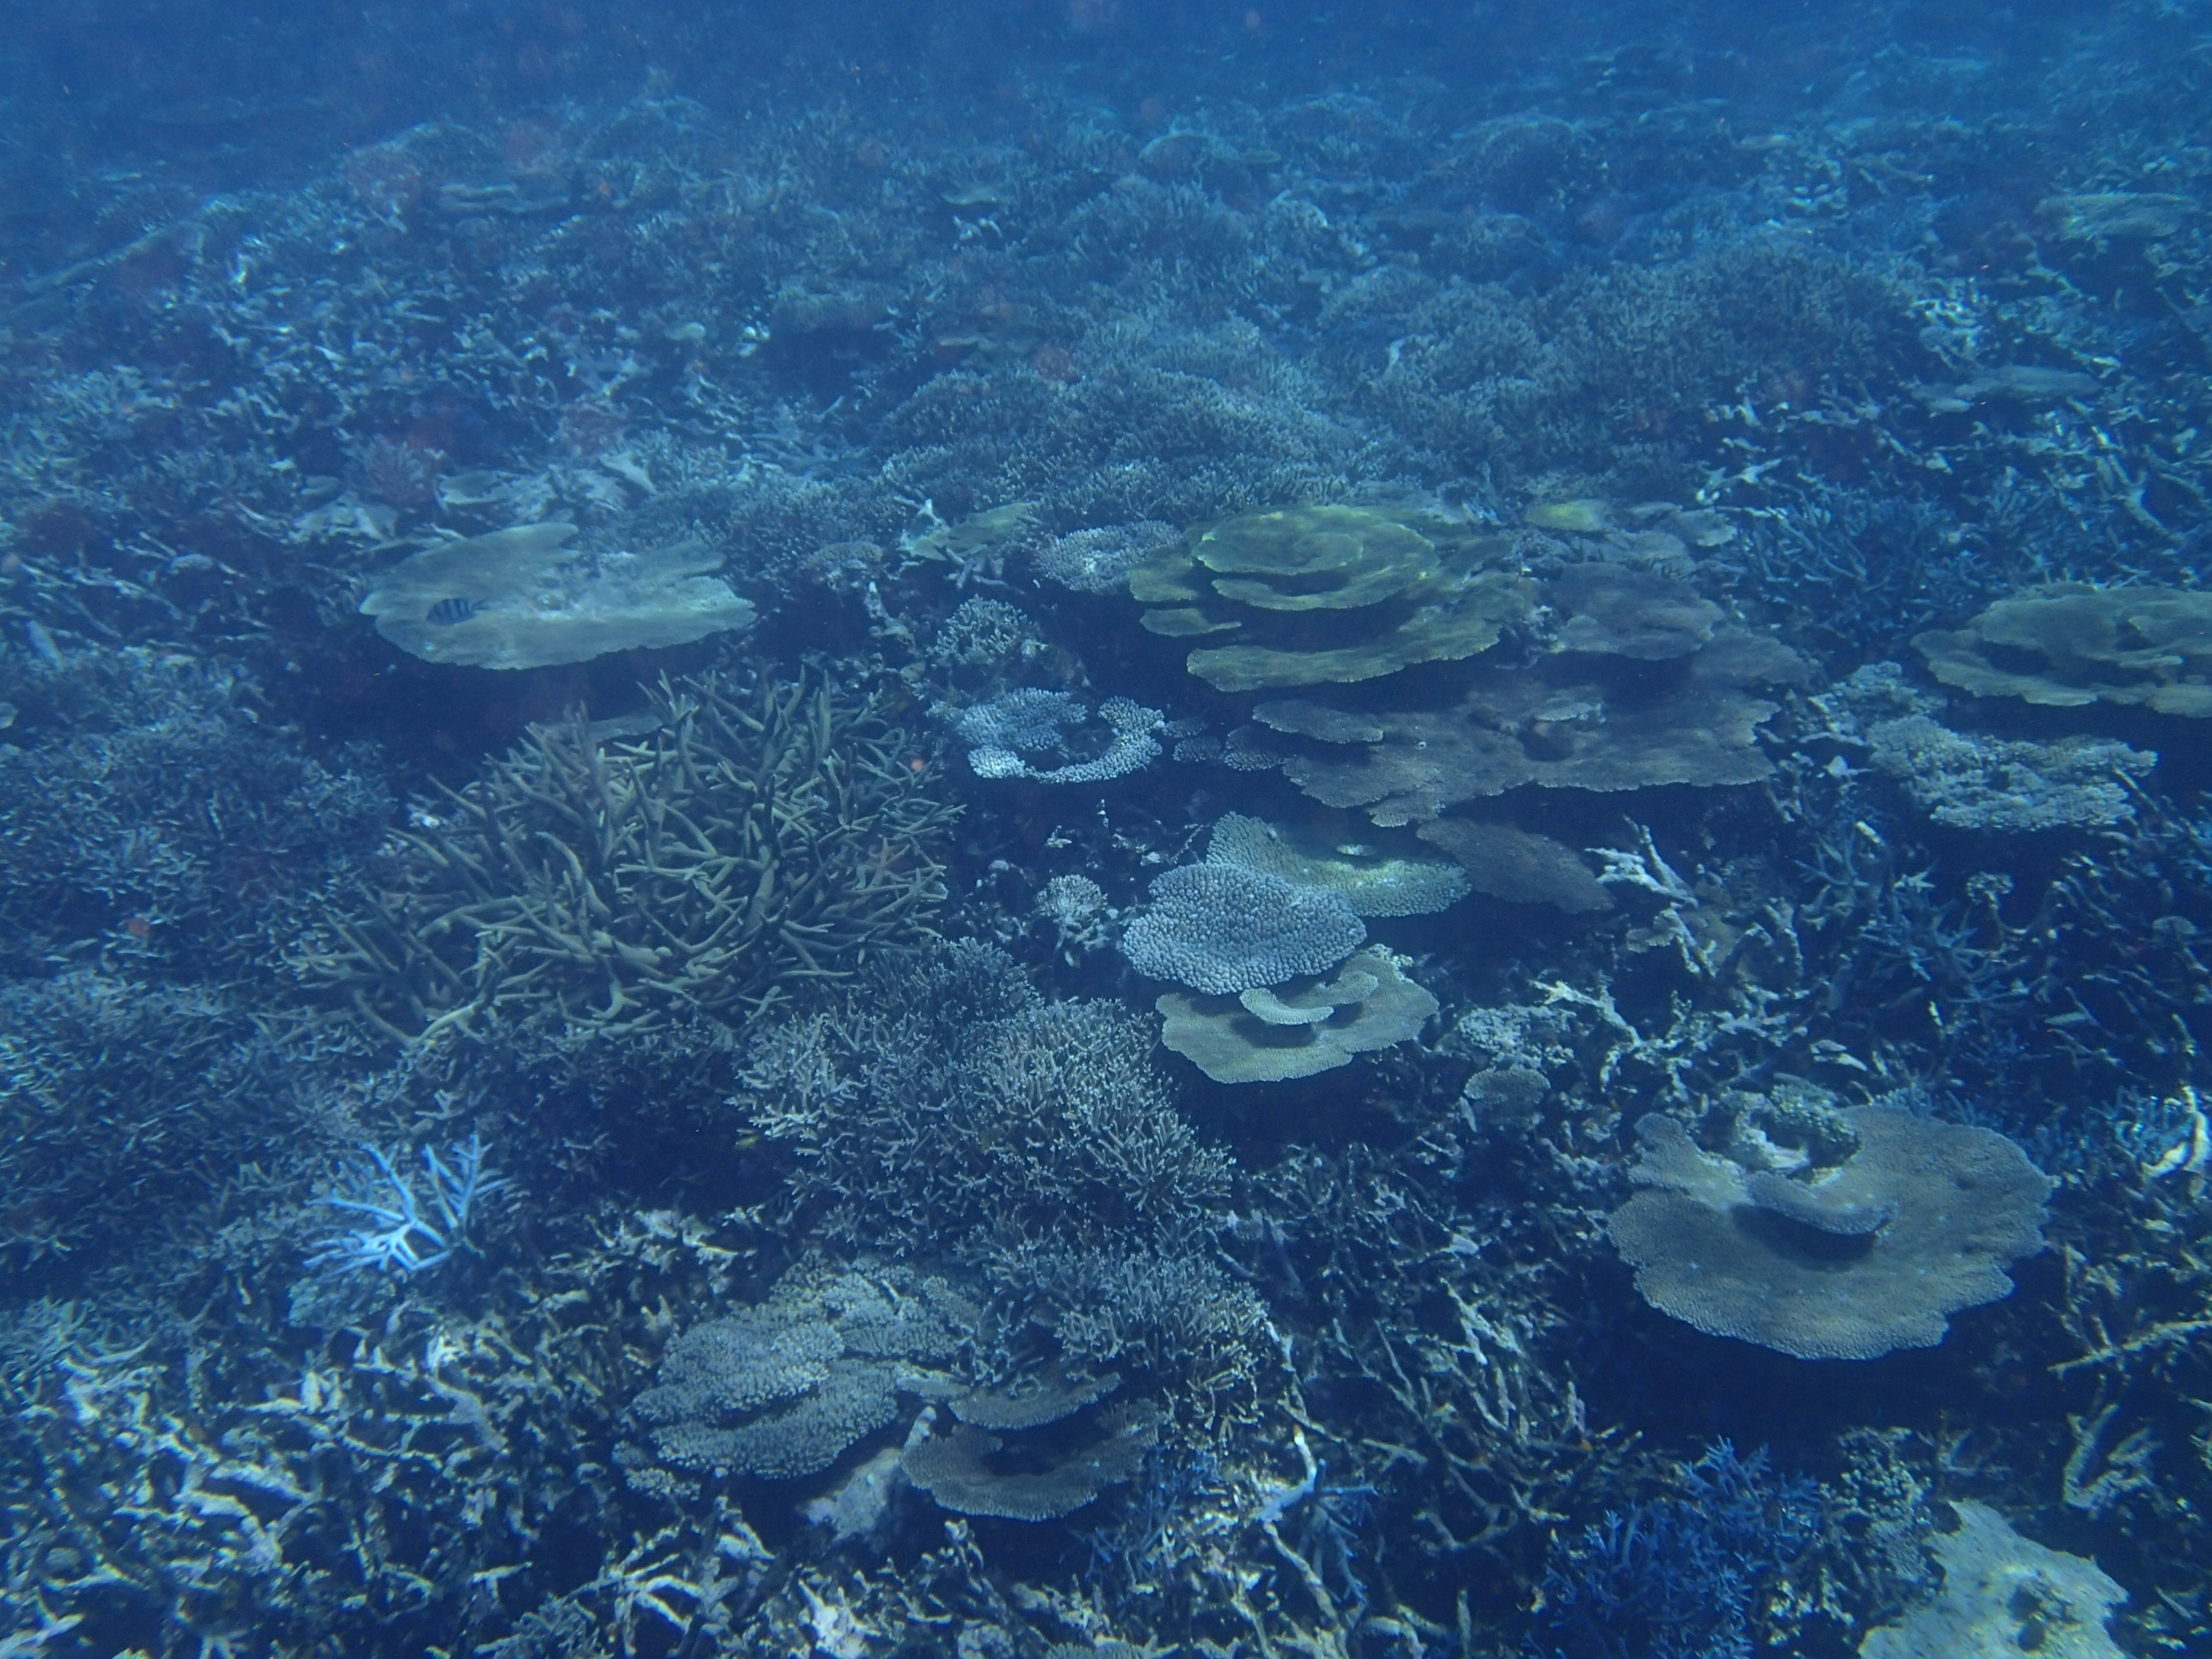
(1868, 1256)
(1322, 595)
(1221, 929)
(1298, 1028)
(2071, 644)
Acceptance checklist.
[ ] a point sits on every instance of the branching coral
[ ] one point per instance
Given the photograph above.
(755, 842)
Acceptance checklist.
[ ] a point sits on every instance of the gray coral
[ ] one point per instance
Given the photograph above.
(1222, 929)
(781, 1389)
(1870, 1255)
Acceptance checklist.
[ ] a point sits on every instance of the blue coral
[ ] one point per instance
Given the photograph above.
(1682, 1577)
(408, 1233)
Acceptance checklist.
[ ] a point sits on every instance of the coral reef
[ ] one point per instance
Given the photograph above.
(1918, 1221)
(1222, 929)
(2072, 644)
(1522, 416)
(518, 598)
(753, 842)
(1300, 1026)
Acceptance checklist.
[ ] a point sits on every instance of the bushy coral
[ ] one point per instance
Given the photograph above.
(149, 815)
(756, 842)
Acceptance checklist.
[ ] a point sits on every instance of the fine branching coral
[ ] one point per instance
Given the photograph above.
(147, 810)
(753, 842)
(1920, 1219)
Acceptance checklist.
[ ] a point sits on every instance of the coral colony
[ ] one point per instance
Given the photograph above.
(1374, 839)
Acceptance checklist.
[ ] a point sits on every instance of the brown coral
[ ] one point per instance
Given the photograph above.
(1863, 1257)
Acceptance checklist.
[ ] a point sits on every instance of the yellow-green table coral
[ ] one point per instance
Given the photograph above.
(2069, 644)
(1331, 595)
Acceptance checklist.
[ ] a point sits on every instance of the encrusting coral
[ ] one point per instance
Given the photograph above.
(2072, 644)
(756, 841)
(1842, 1262)
(2003, 1595)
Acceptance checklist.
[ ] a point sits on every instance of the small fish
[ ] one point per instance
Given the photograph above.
(447, 612)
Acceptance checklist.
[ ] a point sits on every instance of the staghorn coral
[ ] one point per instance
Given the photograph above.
(1320, 595)
(2070, 644)
(518, 598)
(1298, 1028)
(756, 842)
(1221, 929)
(1844, 1260)
(780, 1390)
(1373, 883)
